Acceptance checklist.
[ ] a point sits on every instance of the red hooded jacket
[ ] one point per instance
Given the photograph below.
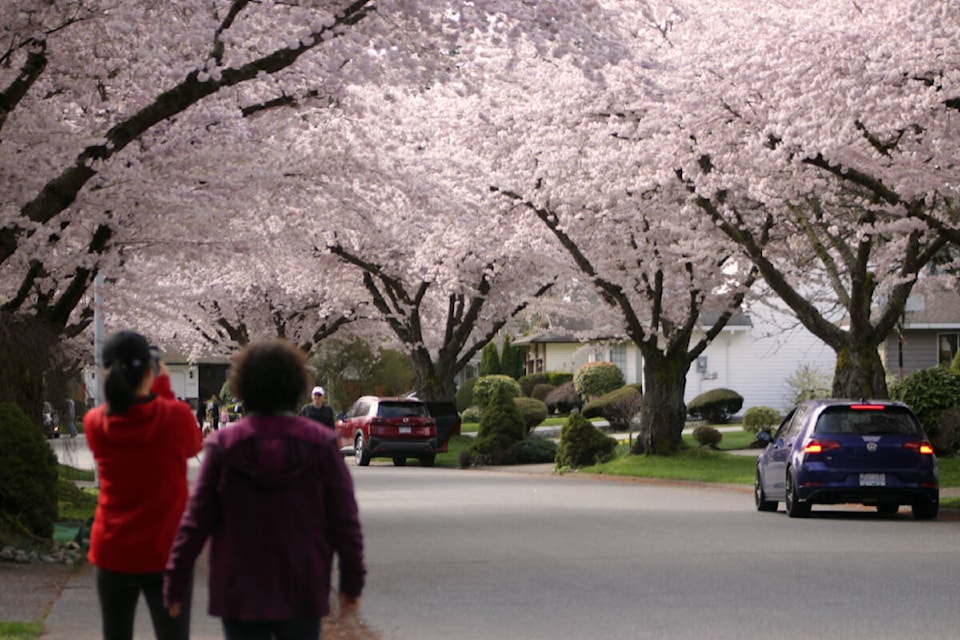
(142, 467)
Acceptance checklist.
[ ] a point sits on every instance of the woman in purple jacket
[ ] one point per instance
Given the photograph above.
(277, 500)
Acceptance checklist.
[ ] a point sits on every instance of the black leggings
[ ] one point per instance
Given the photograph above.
(118, 594)
(295, 629)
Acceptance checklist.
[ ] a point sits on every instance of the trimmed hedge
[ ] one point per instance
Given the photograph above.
(715, 406)
(757, 419)
(930, 392)
(616, 407)
(501, 424)
(487, 386)
(563, 399)
(465, 394)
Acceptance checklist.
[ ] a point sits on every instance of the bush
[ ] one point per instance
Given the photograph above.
(535, 450)
(582, 444)
(929, 392)
(541, 391)
(465, 394)
(617, 407)
(470, 414)
(531, 380)
(757, 419)
(809, 383)
(486, 386)
(563, 399)
(533, 412)
(558, 378)
(501, 424)
(28, 474)
(715, 406)
(946, 442)
(597, 378)
(707, 436)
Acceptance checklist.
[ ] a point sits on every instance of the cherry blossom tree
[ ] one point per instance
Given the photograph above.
(821, 139)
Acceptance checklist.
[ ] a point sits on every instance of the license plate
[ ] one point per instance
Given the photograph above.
(873, 479)
(405, 430)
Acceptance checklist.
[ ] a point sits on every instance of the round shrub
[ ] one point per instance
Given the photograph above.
(465, 394)
(531, 380)
(617, 407)
(707, 436)
(28, 473)
(597, 378)
(486, 386)
(501, 425)
(533, 412)
(558, 378)
(715, 406)
(929, 392)
(541, 391)
(582, 444)
(760, 418)
(563, 399)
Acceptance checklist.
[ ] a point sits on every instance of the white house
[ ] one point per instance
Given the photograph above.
(754, 355)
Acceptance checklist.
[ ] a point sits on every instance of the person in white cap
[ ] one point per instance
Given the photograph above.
(317, 410)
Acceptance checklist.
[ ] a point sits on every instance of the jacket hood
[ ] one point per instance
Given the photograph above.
(137, 426)
(271, 451)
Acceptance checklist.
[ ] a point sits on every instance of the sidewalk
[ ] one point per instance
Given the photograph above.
(75, 614)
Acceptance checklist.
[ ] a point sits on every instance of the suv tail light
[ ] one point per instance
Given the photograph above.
(923, 448)
(817, 445)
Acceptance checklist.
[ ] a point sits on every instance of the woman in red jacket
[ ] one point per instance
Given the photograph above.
(141, 439)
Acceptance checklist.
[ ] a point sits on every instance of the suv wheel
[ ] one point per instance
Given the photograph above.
(360, 451)
(795, 508)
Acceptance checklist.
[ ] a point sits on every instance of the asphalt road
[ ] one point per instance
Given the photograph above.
(499, 554)
(479, 554)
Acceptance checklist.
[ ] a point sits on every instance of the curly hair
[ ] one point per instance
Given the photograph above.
(269, 377)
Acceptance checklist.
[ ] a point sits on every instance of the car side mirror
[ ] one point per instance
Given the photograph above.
(340, 416)
(765, 436)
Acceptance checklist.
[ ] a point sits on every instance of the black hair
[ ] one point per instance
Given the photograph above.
(269, 377)
(126, 357)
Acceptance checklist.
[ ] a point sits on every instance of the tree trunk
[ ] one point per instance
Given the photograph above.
(860, 372)
(434, 380)
(663, 412)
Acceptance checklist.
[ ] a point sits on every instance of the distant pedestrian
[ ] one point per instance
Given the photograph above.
(215, 412)
(276, 501)
(201, 412)
(316, 409)
(71, 417)
(141, 440)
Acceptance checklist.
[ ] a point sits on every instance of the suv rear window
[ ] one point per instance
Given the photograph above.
(868, 420)
(402, 410)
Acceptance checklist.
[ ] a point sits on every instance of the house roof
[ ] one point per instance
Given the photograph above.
(932, 307)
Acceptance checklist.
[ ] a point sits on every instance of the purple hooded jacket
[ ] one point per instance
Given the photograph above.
(276, 499)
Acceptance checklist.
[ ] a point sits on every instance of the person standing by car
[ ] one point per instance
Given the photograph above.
(276, 500)
(215, 412)
(317, 410)
(141, 440)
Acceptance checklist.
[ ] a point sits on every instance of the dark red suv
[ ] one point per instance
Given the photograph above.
(397, 428)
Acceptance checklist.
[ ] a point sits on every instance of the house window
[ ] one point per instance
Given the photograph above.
(618, 356)
(947, 347)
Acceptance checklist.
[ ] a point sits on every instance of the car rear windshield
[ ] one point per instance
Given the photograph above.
(402, 410)
(866, 420)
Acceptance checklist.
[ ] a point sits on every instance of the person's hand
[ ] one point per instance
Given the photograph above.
(162, 370)
(348, 604)
(174, 609)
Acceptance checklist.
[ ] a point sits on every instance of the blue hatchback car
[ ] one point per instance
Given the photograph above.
(845, 451)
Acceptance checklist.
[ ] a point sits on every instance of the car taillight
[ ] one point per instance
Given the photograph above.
(867, 407)
(923, 448)
(820, 446)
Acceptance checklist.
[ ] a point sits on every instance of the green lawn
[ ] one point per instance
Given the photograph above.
(695, 463)
(20, 630)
